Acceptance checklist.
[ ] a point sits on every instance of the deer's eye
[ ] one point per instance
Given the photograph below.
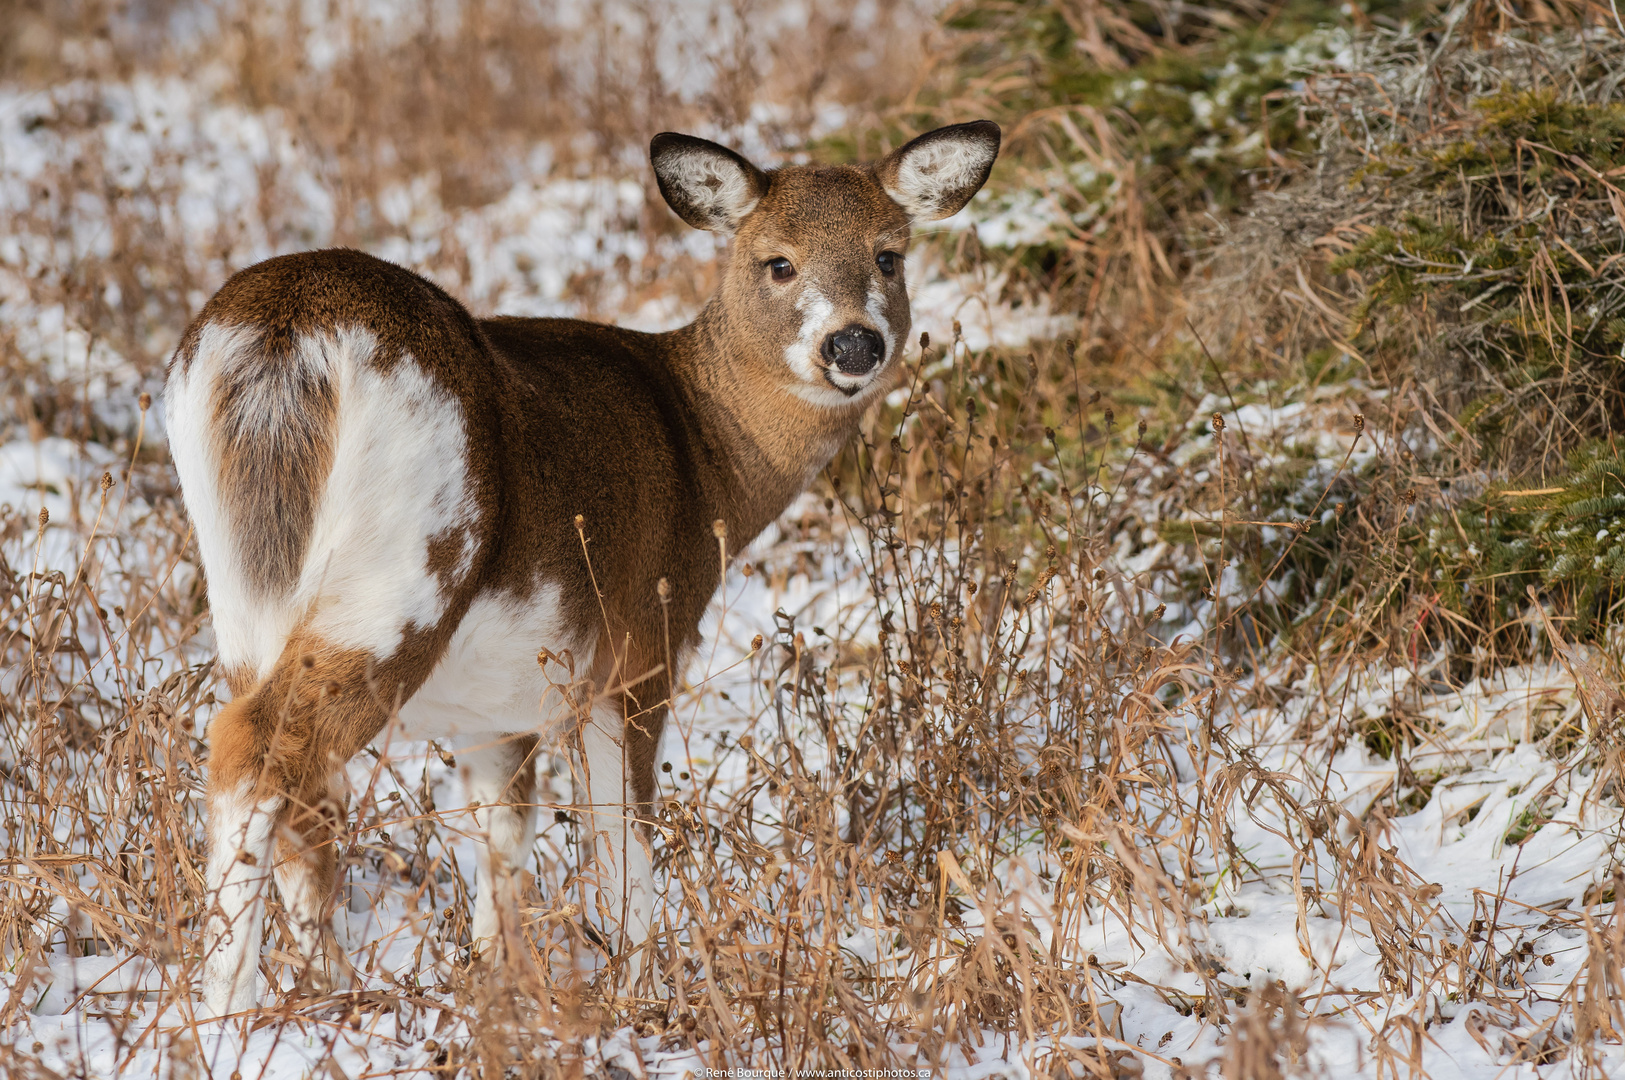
(781, 269)
(887, 261)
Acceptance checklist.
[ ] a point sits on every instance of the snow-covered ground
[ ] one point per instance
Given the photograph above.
(1498, 869)
(1286, 907)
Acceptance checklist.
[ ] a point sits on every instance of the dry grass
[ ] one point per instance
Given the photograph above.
(890, 844)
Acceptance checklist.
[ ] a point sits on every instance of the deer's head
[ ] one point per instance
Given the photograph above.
(814, 293)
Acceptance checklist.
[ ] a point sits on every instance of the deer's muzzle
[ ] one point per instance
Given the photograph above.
(854, 350)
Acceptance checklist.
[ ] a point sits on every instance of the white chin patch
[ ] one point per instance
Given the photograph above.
(850, 384)
(827, 396)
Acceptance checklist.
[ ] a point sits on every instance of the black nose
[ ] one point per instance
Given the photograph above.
(854, 349)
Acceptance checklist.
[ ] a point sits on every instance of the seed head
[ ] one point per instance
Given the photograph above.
(719, 529)
(44, 516)
(1218, 424)
(581, 523)
(107, 481)
(1359, 423)
(145, 401)
(663, 589)
(756, 643)
(925, 341)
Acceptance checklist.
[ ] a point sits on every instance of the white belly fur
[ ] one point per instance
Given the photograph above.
(489, 682)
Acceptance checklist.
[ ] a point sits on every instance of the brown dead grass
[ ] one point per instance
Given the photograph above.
(1018, 701)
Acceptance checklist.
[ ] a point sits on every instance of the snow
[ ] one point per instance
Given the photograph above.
(1284, 908)
(1280, 922)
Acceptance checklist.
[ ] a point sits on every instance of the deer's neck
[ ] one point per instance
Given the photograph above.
(767, 443)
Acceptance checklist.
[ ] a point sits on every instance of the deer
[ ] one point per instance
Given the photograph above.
(399, 508)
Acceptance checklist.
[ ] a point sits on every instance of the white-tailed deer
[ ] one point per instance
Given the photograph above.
(398, 505)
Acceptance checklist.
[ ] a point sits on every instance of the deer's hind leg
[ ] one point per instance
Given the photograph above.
(341, 526)
(307, 879)
(272, 753)
(242, 821)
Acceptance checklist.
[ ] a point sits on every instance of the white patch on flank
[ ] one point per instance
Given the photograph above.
(399, 478)
(239, 866)
(715, 185)
(929, 176)
(488, 680)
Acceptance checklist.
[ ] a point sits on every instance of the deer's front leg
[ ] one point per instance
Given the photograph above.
(618, 877)
(500, 778)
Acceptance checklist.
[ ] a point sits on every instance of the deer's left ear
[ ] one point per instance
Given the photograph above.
(935, 175)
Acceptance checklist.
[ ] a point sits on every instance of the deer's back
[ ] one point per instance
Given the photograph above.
(371, 469)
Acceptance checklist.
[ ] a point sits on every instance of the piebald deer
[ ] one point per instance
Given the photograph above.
(398, 505)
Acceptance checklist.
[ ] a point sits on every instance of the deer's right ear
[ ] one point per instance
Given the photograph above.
(707, 185)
